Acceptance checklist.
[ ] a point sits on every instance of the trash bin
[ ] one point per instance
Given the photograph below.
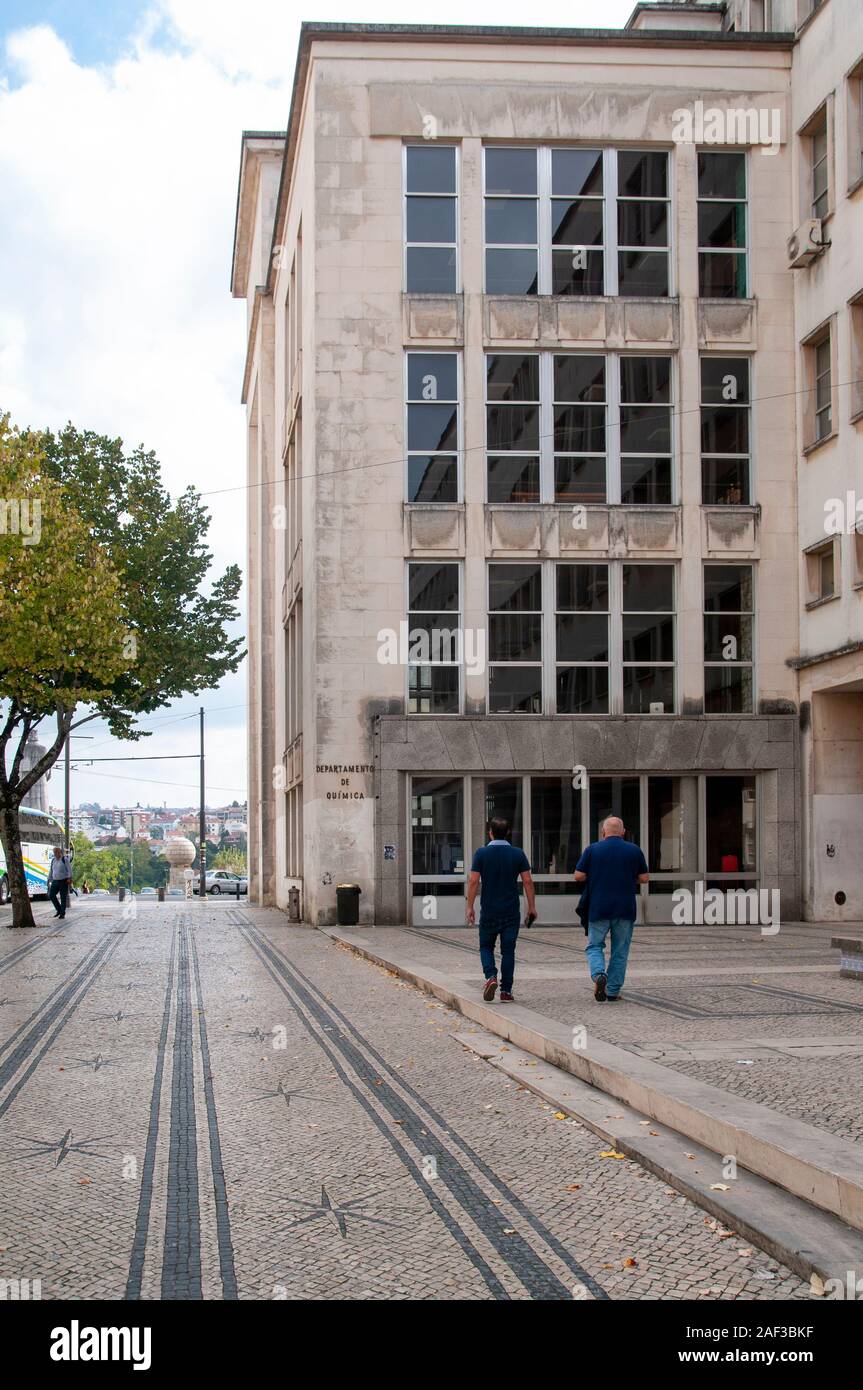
(347, 904)
(293, 904)
(121, 893)
(160, 893)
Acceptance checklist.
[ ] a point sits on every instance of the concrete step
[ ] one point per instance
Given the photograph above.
(809, 1163)
(807, 1240)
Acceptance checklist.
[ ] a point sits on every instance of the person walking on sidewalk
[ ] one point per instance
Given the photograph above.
(498, 866)
(59, 881)
(612, 868)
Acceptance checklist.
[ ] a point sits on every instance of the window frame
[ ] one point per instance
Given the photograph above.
(460, 425)
(813, 556)
(751, 663)
(749, 358)
(456, 196)
(610, 248)
(542, 664)
(743, 252)
(459, 614)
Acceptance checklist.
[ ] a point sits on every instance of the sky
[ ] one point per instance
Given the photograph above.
(120, 124)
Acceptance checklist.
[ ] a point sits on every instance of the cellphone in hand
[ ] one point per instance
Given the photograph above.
(530, 919)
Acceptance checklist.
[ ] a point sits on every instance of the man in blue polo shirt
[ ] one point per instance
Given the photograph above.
(613, 867)
(499, 865)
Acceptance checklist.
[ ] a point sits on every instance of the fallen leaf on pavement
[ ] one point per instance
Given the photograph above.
(559, 1115)
(611, 1153)
(719, 1187)
(574, 1187)
(630, 1263)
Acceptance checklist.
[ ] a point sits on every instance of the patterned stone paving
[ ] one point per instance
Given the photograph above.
(266, 1116)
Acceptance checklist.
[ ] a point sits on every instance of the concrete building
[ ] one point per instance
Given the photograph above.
(827, 127)
(521, 364)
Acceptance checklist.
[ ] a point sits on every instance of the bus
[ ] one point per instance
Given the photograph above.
(39, 834)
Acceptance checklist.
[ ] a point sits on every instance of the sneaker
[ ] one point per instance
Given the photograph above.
(612, 998)
(599, 988)
(506, 996)
(490, 988)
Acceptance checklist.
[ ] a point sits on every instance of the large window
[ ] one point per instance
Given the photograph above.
(722, 225)
(728, 639)
(576, 221)
(725, 458)
(433, 432)
(437, 826)
(576, 427)
(647, 605)
(582, 630)
(515, 639)
(434, 634)
(819, 164)
(431, 219)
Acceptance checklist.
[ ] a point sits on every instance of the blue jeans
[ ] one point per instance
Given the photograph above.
(489, 930)
(621, 940)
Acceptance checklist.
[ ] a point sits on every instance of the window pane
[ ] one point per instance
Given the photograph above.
(503, 798)
(615, 796)
(642, 273)
(576, 171)
(645, 481)
(515, 636)
(641, 174)
(433, 588)
(432, 376)
(644, 686)
(582, 588)
(728, 689)
(510, 171)
(431, 270)
(725, 482)
(512, 478)
(555, 825)
(671, 825)
(513, 427)
(728, 589)
(648, 637)
(431, 219)
(721, 175)
(510, 220)
(515, 588)
(579, 479)
(433, 690)
(432, 428)
(724, 430)
(510, 377)
(730, 824)
(642, 224)
(437, 825)
(569, 279)
(432, 479)
(645, 379)
(727, 637)
(721, 224)
(579, 429)
(430, 169)
(582, 690)
(577, 223)
(648, 589)
(722, 275)
(725, 379)
(579, 378)
(582, 637)
(645, 429)
(510, 272)
(515, 689)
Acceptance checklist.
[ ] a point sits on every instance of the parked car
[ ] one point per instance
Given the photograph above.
(223, 881)
(147, 893)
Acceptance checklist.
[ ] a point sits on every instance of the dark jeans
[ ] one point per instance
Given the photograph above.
(489, 930)
(59, 895)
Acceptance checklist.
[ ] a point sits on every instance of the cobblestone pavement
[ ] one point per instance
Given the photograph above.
(200, 1102)
(768, 1018)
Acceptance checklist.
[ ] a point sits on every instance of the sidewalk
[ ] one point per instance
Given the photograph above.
(748, 1044)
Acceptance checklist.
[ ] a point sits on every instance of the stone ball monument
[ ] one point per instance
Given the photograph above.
(179, 853)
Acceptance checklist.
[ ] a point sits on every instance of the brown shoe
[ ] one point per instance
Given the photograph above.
(490, 989)
(506, 997)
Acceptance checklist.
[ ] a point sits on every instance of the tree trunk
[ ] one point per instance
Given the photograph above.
(10, 835)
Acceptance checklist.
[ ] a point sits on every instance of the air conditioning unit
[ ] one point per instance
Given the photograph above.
(805, 244)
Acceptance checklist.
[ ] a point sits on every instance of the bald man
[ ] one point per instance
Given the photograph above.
(612, 867)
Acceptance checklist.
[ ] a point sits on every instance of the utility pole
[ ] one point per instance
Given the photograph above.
(66, 781)
(202, 823)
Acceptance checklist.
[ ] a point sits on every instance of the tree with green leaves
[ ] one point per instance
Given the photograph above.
(106, 616)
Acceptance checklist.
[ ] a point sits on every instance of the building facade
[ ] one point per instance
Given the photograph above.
(521, 378)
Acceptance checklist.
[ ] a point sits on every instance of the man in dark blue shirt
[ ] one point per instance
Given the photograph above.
(613, 867)
(498, 865)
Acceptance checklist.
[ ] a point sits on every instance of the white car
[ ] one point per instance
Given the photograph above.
(223, 881)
